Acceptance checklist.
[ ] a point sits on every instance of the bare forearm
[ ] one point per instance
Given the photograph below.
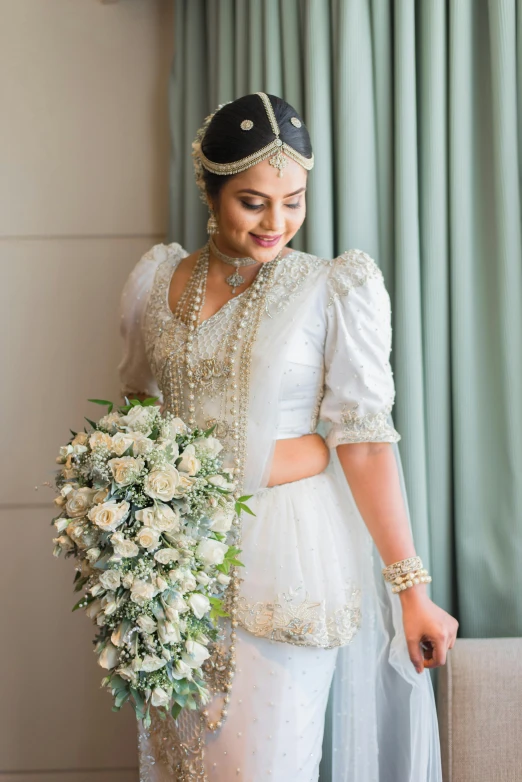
(371, 471)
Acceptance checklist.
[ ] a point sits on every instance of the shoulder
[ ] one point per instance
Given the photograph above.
(352, 269)
(159, 253)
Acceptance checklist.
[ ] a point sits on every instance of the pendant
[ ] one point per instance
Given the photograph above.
(235, 280)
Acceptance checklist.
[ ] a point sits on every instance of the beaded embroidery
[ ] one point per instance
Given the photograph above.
(349, 270)
(370, 428)
(302, 623)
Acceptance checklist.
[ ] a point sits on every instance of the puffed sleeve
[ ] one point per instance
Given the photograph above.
(359, 389)
(134, 369)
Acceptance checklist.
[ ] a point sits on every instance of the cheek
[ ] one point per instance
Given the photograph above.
(239, 220)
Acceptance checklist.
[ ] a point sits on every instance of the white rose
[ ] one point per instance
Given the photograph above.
(84, 535)
(123, 546)
(161, 517)
(195, 655)
(100, 440)
(126, 470)
(159, 697)
(141, 445)
(148, 538)
(109, 603)
(188, 582)
(166, 555)
(171, 614)
(109, 515)
(169, 633)
(94, 608)
(100, 496)
(223, 579)
(182, 671)
(152, 663)
(110, 422)
(199, 604)
(139, 418)
(189, 462)
(120, 442)
(202, 578)
(185, 484)
(141, 592)
(128, 579)
(118, 634)
(177, 603)
(161, 584)
(211, 551)
(93, 554)
(127, 673)
(82, 438)
(222, 519)
(219, 480)
(65, 451)
(161, 484)
(177, 426)
(207, 446)
(61, 524)
(79, 502)
(147, 623)
(109, 657)
(110, 579)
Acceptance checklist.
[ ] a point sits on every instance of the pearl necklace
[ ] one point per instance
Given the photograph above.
(250, 309)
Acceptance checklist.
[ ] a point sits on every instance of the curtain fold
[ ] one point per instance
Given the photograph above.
(415, 113)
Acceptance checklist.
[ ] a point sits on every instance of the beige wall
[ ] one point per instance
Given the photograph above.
(83, 193)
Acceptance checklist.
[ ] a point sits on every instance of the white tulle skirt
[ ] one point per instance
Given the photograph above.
(316, 618)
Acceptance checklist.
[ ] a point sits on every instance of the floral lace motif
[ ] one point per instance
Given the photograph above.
(303, 623)
(369, 428)
(349, 270)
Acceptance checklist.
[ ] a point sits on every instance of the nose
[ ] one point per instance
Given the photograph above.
(273, 220)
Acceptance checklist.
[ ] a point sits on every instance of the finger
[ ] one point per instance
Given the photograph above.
(440, 646)
(415, 652)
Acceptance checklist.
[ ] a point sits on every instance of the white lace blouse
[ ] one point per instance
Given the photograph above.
(336, 365)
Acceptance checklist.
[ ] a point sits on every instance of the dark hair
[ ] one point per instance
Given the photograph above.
(226, 142)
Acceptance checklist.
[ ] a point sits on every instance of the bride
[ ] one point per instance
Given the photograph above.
(287, 354)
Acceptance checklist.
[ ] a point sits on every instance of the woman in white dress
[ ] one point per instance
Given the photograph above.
(288, 355)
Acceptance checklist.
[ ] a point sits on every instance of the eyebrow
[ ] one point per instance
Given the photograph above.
(264, 195)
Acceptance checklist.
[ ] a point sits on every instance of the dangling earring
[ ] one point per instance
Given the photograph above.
(212, 224)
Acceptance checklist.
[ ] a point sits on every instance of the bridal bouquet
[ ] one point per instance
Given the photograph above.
(148, 512)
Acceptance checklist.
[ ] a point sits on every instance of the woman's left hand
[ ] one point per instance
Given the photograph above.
(427, 624)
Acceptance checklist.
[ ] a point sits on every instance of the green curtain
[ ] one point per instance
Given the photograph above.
(415, 113)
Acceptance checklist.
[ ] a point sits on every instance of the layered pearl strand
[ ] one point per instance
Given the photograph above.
(238, 361)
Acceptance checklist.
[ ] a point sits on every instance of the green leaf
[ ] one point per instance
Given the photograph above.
(103, 402)
(92, 423)
(236, 562)
(83, 600)
(134, 402)
(244, 498)
(241, 507)
(150, 400)
(208, 432)
(176, 710)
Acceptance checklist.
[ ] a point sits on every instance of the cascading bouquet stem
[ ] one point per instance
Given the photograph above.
(148, 512)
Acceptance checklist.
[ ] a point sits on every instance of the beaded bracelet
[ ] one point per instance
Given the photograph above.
(410, 579)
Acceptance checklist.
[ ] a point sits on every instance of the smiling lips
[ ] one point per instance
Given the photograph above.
(266, 241)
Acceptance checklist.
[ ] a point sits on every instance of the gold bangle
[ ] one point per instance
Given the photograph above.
(403, 567)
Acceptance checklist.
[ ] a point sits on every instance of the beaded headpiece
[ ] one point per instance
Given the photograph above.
(278, 151)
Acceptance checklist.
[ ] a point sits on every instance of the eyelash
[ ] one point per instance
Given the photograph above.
(255, 207)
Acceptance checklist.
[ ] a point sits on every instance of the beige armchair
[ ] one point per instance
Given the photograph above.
(479, 698)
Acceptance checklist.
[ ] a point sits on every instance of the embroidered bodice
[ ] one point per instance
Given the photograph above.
(336, 363)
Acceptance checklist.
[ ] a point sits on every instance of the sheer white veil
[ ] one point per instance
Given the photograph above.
(383, 725)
